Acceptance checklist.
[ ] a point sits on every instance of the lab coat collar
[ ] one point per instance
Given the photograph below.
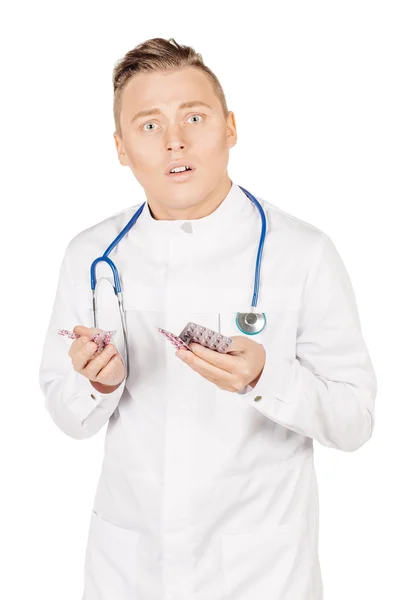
(230, 209)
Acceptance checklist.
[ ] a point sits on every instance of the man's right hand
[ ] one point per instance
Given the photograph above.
(106, 370)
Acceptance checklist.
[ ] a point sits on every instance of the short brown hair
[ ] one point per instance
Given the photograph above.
(158, 54)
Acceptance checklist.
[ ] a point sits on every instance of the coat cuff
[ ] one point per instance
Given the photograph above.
(272, 385)
(82, 398)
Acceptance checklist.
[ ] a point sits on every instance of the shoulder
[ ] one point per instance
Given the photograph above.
(287, 224)
(95, 239)
(294, 245)
(291, 232)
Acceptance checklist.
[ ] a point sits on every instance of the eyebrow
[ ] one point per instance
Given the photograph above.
(157, 111)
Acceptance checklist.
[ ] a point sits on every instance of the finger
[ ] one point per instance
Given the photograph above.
(80, 342)
(239, 344)
(209, 371)
(96, 364)
(109, 370)
(77, 345)
(83, 352)
(78, 350)
(227, 362)
(87, 331)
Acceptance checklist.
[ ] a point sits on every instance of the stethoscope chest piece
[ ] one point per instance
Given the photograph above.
(251, 323)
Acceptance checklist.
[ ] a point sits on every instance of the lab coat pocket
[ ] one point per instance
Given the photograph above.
(278, 335)
(111, 561)
(267, 563)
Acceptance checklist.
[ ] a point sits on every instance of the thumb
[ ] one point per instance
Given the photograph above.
(86, 331)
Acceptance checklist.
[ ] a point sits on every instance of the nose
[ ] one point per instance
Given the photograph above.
(175, 139)
(176, 146)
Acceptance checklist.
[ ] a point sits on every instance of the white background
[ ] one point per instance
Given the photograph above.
(314, 88)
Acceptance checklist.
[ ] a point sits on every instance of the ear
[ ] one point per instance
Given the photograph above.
(120, 149)
(231, 129)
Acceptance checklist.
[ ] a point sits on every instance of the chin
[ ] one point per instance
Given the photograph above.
(186, 194)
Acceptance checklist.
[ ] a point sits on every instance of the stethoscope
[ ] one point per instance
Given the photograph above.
(250, 323)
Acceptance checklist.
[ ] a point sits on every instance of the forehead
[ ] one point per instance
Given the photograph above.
(160, 88)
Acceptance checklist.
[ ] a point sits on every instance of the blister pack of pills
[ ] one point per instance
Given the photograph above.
(101, 339)
(174, 339)
(192, 332)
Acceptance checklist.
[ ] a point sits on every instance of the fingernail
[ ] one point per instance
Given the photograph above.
(91, 346)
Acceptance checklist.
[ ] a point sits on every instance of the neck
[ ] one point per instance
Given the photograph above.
(201, 209)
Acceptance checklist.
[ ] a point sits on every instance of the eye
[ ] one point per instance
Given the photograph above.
(151, 123)
(192, 116)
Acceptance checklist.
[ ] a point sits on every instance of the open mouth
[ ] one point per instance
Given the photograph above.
(181, 173)
(181, 169)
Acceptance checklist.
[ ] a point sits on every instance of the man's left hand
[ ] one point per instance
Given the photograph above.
(242, 365)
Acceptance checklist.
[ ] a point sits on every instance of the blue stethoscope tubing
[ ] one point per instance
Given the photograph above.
(250, 323)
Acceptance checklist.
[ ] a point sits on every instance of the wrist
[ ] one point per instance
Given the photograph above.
(255, 381)
(104, 389)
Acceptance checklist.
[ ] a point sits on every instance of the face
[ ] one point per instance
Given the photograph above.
(198, 134)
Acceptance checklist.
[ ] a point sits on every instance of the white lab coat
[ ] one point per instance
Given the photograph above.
(207, 494)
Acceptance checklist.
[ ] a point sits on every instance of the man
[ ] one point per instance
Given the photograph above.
(208, 488)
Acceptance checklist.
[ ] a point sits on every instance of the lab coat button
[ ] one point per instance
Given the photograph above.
(187, 227)
(257, 398)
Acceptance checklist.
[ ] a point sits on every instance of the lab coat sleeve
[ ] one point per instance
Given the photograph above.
(75, 406)
(328, 391)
